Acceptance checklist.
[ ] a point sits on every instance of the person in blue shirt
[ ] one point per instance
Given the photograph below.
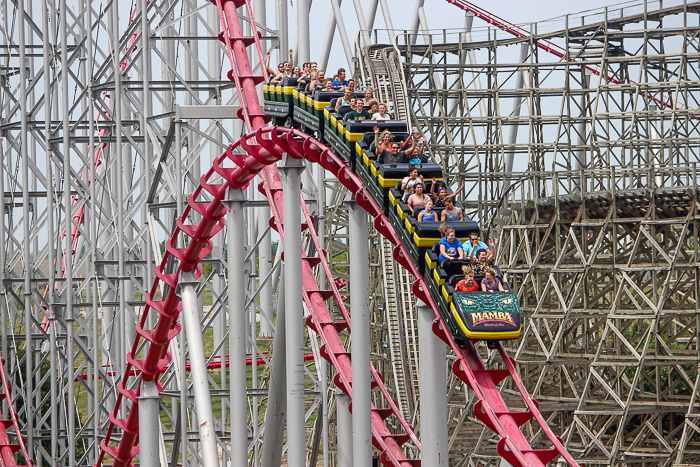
(341, 81)
(450, 246)
(473, 244)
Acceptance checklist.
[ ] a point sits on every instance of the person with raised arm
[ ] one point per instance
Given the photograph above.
(276, 77)
(289, 66)
(394, 156)
(482, 259)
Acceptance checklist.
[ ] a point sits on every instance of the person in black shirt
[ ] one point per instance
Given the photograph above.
(393, 156)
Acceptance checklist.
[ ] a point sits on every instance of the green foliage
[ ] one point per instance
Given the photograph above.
(45, 407)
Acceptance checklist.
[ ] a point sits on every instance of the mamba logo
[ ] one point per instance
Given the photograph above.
(486, 316)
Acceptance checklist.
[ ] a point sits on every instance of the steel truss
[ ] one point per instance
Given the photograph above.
(110, 163)
(97, 165)
(87, 211)
(583, 166)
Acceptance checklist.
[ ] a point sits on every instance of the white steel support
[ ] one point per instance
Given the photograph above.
(191, 313)
(415, 21)
(218, 282)
(344, 426)
(363, 23)
(68, 290)
(277, 391)
(53, 355)
(118, 178)
(28, 325)
(424, 24)
(360, 338)
(260, 14)
(343, 38)
(432, 377)
(328, 41)
(517, 105)
(303, 33)
(149, 425)
(281, 23)
(321, 229)
(296, 434)
(264, 267)
(372, 13)
(387, 18)
(476, 76)
(235, 225)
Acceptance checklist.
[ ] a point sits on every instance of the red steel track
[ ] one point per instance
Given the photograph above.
(553, 48)
(8, 449)
(264, 146)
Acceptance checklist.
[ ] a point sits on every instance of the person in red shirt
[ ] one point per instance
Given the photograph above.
(468, 284)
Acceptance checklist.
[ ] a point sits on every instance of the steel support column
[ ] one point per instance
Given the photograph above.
(517, 105)
(264, 267)
(276, 395)
(235, 225)
(282, 25)
(415, 21)
(344, 429)
(149, 425)
(360, 338)
(432, 378)
(191, 314)
(28, 325)
(296, 434)
(303, 33)
(343, 38)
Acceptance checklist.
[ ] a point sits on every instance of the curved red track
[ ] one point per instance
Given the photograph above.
(264, 146)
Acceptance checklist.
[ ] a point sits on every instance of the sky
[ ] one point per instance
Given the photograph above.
(439, 14)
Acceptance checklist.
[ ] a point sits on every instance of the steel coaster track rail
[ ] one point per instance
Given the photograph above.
(399, 303)
(264, 147)
(397, 345)
(8, 449)
(397, 85)
(553, 48)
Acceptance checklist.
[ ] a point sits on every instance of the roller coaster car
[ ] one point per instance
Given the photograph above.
(278, 98)
(486, 315)
(468, 315)
(477, 315)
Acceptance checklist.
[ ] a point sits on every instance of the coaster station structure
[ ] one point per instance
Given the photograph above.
(111, 117)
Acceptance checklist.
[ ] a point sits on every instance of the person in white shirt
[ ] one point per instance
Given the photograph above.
(381, 115)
